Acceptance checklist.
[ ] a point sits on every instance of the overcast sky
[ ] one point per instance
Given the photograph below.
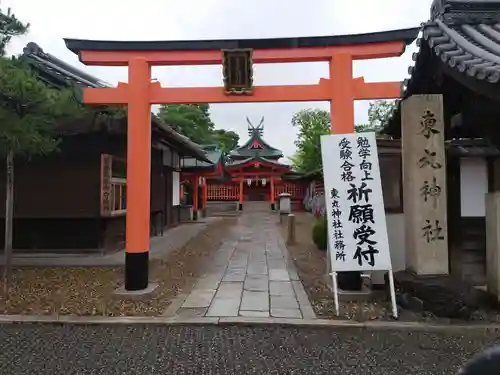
(53, 20)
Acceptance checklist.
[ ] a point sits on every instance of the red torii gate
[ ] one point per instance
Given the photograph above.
(341, 89)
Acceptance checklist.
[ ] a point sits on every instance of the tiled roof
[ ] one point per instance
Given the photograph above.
(55, 71)
(256, 158)
(58, 73)
(462, 35)
(191, 163)
(471, 49)
(478, 147)
(256, 136)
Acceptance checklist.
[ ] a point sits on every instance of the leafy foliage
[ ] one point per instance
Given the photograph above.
(320, 233)
(193, 121)
(313, 123)
(379, 113)
(226, 139)
(29, 110)
(10, 26)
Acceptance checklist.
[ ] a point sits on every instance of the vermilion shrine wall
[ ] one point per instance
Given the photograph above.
(231, 190)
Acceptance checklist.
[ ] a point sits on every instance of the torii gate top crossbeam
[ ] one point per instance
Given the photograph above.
(275, 50)
(341, 89)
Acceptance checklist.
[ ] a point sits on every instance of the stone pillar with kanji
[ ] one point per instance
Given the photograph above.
(424, 185)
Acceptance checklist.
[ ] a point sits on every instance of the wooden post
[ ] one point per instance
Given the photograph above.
(273, 205)
(241, 195)
(196, 182)
(342, 102)
(138, 176)
(493, 244)
(291, 230)
(204, 197)
(9, 221)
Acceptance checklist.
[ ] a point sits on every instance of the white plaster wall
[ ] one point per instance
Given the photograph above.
(176, 185)
(396, 235)
(473, 187)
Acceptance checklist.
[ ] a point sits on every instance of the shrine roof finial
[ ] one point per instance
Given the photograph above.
(259, 128)
(256, 146)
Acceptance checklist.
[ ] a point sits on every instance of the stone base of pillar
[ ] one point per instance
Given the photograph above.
(195, 215)
(136, 271)
(204, 212)
(273, 206)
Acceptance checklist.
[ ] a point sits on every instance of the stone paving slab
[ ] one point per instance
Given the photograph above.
(199, 298)
(251, 276)
(303, 300)
(284, 302)
(234, 276)
(254, 314)
(286, 313)
(230, 290)
(279, 275)
(281, 288)
(192, 312)
(255, 301)
(256, 284)
(224, 307)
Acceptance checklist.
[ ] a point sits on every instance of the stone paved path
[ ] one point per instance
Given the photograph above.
(250, 275)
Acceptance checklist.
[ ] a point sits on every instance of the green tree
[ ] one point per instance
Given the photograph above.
(311, 124)
(379, 113)
(226, 139)
(10, 27)
(191, 120)
(29, 111)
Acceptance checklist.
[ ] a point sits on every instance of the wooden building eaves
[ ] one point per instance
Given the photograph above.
(256, 159)
(58, 74)
(461, 40)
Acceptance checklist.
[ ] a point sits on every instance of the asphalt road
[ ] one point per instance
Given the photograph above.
(152, 349)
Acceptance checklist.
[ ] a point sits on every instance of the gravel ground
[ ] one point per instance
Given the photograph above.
(89, 290)
(140, 349)
(311, 267)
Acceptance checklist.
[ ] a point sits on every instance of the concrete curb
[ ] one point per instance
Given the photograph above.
(311, 323)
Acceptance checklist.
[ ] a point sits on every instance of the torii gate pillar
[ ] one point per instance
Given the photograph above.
(138, 175)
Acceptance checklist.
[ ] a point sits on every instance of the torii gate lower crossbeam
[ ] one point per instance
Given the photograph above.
(341, 89)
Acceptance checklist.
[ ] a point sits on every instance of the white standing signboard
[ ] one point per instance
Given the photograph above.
(357, 231)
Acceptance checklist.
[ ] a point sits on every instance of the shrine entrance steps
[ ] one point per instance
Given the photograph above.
(250, 275)
(257, 206)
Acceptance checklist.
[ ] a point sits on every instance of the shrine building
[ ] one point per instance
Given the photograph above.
(74, 200)
(251, 172)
